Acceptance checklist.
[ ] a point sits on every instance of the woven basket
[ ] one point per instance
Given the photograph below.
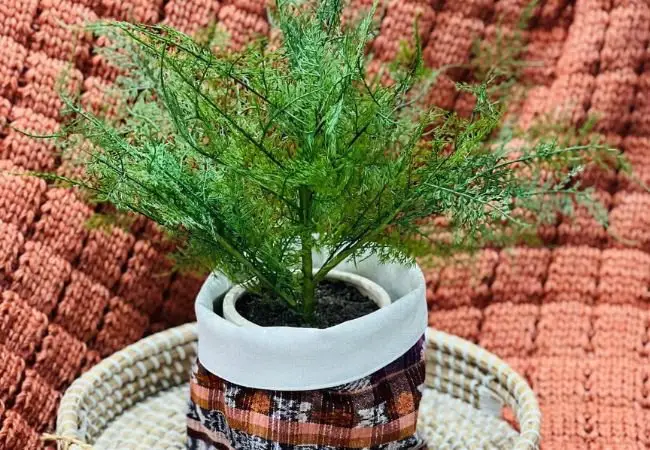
(136, 398)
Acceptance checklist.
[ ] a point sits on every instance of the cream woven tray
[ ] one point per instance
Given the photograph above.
(136, 398)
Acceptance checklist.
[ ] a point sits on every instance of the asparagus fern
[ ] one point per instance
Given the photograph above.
(258, 157)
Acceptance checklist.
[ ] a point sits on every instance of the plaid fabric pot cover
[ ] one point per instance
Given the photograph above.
(351, 386)
(378, 411)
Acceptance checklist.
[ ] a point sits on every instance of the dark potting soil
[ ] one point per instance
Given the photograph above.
(336, 302)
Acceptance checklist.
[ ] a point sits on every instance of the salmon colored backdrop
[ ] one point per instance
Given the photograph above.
(572, 317)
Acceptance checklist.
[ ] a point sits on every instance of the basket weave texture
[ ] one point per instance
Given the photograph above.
(572, 318)
(136, 399)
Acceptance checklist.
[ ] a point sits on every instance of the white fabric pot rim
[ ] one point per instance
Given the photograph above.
(297, 359)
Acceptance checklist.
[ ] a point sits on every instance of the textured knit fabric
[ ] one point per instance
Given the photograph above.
(573, 318)
(376, 412)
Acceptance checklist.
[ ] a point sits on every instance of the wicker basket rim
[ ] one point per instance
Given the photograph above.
(155, 363)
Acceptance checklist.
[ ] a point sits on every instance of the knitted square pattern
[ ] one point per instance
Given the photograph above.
(572, 317)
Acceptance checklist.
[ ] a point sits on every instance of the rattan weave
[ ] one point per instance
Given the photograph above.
(136, 398)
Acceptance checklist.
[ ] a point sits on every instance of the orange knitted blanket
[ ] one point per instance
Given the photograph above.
(571, 317)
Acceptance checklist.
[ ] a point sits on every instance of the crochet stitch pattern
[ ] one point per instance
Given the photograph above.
(572, 318)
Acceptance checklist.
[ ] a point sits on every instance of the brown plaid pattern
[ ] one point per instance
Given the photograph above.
(376, 412)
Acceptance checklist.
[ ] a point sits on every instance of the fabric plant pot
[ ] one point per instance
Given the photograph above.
(356, 385)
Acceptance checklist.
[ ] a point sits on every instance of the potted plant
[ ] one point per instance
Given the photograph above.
(306, 189)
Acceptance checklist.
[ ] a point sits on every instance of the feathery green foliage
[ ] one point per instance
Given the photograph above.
(256, 158)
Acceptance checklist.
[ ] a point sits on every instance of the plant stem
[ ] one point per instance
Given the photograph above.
(306, 242)
(336, 258)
